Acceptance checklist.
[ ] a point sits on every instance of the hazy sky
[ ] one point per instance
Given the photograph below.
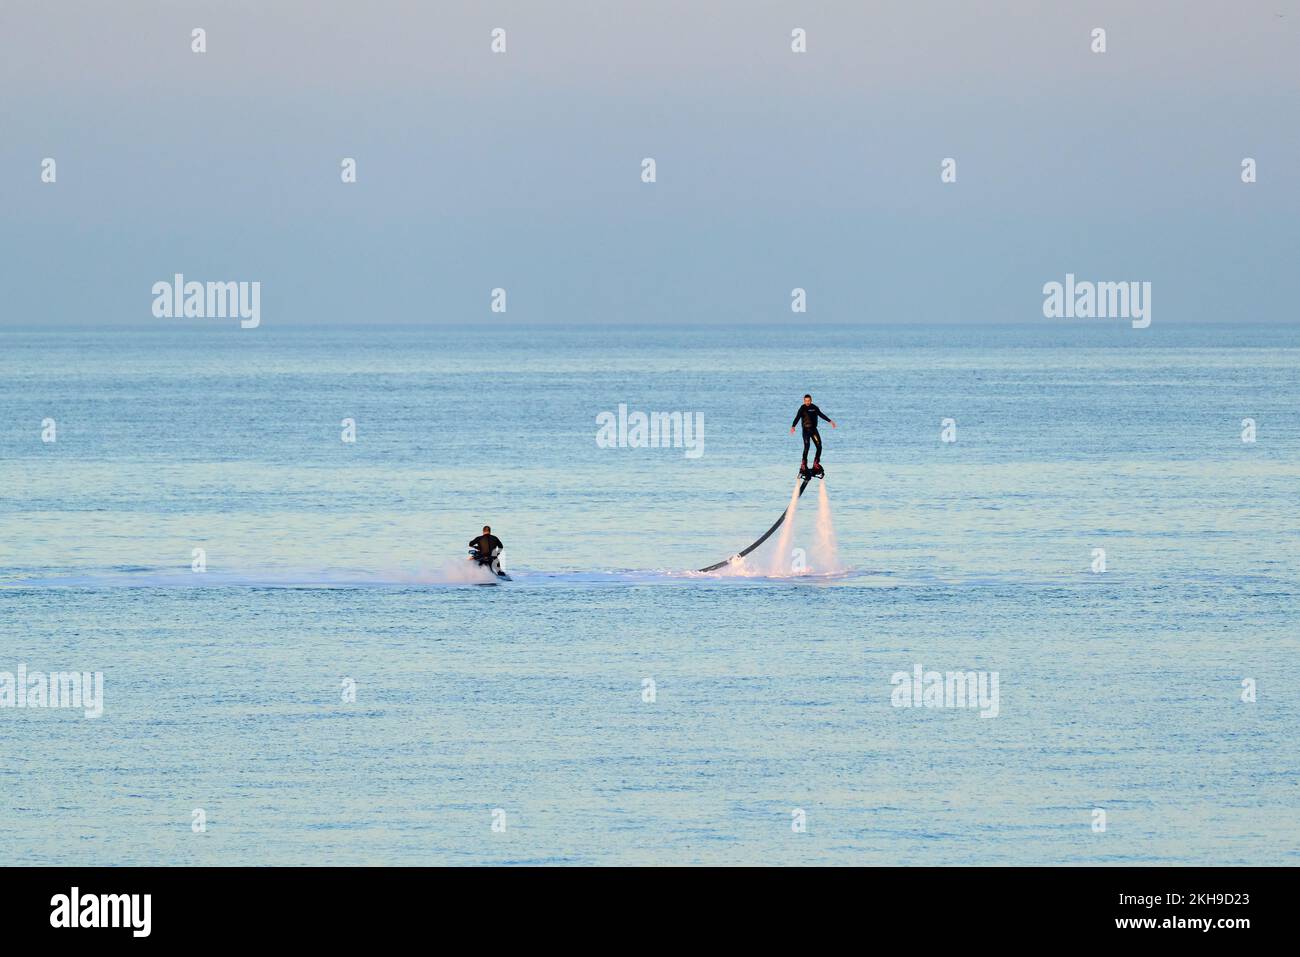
(522, 170)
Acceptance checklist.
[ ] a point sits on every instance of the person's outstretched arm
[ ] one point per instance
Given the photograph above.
(827, 418)
(798, 412)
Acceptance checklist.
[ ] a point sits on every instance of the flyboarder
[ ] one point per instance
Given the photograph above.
(809, 413)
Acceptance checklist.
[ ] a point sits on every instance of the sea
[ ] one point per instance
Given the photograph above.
(257, 538)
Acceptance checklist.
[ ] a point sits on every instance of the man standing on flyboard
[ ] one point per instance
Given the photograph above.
(809, 413)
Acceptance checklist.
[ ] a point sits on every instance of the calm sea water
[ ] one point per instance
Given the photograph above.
(330, 561)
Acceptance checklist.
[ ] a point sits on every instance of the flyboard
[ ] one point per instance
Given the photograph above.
(806, 474)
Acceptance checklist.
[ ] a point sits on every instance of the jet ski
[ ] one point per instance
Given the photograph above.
(491, 562)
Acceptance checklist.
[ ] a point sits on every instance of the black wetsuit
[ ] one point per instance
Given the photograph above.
(484, 545)
(810, 413)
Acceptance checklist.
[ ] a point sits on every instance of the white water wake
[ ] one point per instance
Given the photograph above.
(457, 572)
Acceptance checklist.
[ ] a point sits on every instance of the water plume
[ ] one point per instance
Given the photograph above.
(826, 550)
(781, 558)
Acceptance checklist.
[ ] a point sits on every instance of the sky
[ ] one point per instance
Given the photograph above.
(522, 170)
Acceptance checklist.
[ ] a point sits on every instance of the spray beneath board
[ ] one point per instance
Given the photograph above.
(781, 557)
(825, 550)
